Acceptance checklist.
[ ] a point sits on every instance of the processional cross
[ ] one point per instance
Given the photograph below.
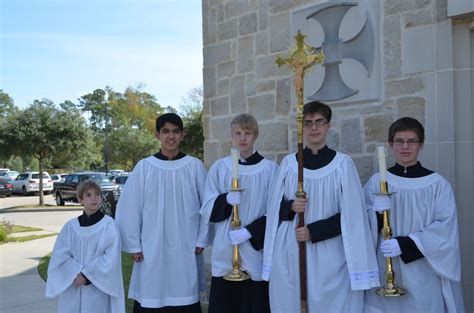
(300, 59)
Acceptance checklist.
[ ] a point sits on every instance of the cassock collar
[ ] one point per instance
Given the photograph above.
(251, 160)
(89, 220)
(413, 171)
(316, 161)
(160, 156)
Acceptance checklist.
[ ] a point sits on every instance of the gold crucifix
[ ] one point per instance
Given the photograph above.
(300, 60)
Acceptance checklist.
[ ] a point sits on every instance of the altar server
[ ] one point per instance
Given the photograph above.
(425, 244)
(340, 252)
(85, 266)
(158, 216)
(255, 175)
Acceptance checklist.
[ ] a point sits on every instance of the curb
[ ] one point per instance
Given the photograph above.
(41, 209)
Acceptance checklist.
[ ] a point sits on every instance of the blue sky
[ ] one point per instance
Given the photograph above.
(62, 49)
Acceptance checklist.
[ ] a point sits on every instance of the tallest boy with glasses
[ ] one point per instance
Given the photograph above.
(341, 260)
(424, 245)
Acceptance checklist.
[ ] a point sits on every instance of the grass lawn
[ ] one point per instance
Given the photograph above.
(6, 229)
(22, 229)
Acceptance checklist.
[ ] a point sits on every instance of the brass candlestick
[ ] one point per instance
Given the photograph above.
(390, 289)
(236, 274)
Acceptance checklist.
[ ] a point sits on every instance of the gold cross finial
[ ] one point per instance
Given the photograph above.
(300, 59)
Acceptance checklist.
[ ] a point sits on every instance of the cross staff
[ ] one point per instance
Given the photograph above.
(300, 60)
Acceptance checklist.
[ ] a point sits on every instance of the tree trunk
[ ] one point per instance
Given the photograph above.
(41, 196)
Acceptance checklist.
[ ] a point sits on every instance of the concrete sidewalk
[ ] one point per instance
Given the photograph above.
(22, 289)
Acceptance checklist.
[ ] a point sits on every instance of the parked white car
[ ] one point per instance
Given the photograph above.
(58, 177)
(28, 182)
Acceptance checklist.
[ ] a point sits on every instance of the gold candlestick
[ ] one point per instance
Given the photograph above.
(236, 274)
(390, 289)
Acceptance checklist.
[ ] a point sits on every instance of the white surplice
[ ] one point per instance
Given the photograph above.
(425, 210)
(255, 180)
(339, 268)
(94, 251)
(158, 214)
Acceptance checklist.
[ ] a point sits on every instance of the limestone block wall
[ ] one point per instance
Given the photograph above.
(425, 64)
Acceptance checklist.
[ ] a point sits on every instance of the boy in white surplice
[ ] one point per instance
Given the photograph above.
(340, 252)
(85, 267)
(256, 173)
(425, 243)
(158, 217)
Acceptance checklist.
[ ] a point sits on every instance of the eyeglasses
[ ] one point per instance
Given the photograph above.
(409, 142)
(318, 123)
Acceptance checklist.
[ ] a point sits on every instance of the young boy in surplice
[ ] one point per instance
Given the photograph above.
(85, 267)
(340, 252)
(425, 244)
(158, 216)
(249, 296)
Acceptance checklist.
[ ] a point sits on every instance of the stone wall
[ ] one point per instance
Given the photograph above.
(241, 41)
(425, 64)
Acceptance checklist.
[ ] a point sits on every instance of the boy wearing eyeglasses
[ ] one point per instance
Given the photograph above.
(425, 246)
(340, 255)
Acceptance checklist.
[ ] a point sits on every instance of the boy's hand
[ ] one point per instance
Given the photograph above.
(198, 250)
(382, 203)
(390, 248)
(79, 281)
(137, 257)
(238, 236)
(233, 197)
(303, 234)
(299, 205)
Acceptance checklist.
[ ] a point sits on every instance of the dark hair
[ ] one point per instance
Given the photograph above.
(404, 124)
(86, 185)
(319, 108)
(168, 118)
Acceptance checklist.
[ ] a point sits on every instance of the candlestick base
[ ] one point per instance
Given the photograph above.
(236, 275)
(390, 291)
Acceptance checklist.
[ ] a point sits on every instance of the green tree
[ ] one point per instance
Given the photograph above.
(7, 105)
(131, 145)
(44, 132)
(191, 113)
(7, 110)
(113, 115)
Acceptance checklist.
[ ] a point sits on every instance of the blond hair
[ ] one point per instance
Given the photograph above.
(245, 121)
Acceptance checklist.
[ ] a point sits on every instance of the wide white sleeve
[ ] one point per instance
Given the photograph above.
(105, 272)
(129, 212)
(212, 189)
(439, 240)
(203, 234)
(356, 236)
(63, 268)
(275, 195)
(370, 189)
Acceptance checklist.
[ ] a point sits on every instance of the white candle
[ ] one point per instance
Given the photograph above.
(382, 163)
(235, 153)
